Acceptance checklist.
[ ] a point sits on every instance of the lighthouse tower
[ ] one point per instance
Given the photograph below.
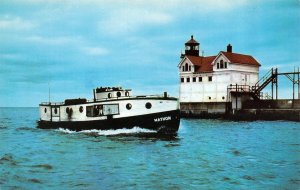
(192, 47)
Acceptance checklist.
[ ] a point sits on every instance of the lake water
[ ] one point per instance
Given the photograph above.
(206, 154)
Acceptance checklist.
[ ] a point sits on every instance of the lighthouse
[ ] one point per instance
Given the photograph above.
(204, 79)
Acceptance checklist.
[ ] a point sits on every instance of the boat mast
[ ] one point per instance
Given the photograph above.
(49, 91)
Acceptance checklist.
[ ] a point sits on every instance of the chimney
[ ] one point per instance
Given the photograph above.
(229, 48)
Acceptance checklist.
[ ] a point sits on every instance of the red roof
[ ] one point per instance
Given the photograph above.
(203, 64)
(240, 58)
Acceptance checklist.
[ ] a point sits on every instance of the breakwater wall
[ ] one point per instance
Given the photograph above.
(267, 110)
(250, 110)
(207, 110)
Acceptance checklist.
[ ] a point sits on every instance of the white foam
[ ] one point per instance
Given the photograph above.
(134, 130)
(66, 131)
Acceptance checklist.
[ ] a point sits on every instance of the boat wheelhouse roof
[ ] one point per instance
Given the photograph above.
(110, 89)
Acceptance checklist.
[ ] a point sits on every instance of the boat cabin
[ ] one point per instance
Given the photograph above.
(111, 93)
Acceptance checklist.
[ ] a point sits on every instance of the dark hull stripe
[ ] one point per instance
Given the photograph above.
(164, 122)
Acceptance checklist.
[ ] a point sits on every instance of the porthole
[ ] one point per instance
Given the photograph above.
(223, 98)
(45, 110)
(109, 95)
(148, 105)
(55, 110)
(209, 97)
(128, 106)
(126, 93)
(118, 94)
(80, 109)
(67, 110)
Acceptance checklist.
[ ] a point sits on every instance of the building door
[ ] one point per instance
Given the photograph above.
(245, 79)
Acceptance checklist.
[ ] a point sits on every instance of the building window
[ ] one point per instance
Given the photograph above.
(194, 79)
(119, 94)
(182, 80)
(221, 64)
(200, 79)
(188, 79)
(109, 95)
(55, 110)
(225, 65)
(190, 68)
(45, 110)
(218, 65)
(210, 78)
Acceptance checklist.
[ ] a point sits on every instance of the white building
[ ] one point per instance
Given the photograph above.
(205, 79)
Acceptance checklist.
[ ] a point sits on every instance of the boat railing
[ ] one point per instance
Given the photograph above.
(165, 95)
(52, 103)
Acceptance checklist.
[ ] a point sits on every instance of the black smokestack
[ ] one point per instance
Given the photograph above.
(229, 48)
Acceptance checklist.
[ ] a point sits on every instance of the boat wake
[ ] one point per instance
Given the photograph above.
(96, 132)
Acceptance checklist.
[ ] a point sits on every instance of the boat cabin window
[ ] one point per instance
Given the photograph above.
(148, 105)
(94, 111)
(80, 109)
(128, 106)
(102, 110)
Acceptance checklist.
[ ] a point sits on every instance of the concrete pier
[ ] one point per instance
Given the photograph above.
(250, 110)
(286, 109)
(205, 110)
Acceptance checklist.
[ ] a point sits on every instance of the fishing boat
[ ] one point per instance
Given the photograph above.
(112, 108)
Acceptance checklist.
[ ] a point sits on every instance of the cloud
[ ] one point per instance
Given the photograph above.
(60, 40)
(11, 56)
(130, 20)
(95, 51)
(15, 23)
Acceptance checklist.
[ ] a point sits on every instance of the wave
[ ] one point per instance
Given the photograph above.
(96, 132)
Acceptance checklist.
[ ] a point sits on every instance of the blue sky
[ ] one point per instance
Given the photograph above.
(76, 46)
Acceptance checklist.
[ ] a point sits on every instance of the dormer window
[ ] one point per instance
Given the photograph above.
(221, 64)
(186, 67)
(218, 65)
(225, 65)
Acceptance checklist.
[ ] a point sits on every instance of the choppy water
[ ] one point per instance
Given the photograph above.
(206, 154)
